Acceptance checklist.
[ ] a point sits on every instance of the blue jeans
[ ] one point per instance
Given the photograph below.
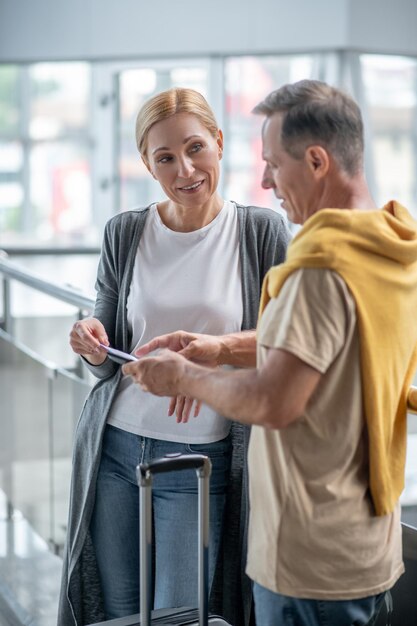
(114, 525)
(274, 609)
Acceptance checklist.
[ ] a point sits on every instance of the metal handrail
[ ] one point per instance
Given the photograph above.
(52, 367)
(67, 294)
(50, 250)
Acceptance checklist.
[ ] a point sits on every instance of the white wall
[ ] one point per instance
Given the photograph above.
(388, 26)
(33, 30)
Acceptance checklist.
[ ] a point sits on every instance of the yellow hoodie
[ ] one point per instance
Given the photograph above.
(375, 252)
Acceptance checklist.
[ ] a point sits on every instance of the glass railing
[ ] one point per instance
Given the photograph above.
(42, 390)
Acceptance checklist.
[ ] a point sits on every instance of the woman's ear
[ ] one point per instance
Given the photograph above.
(318, 161)
(220, 143)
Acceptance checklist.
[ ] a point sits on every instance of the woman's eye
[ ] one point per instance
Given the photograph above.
(196, 147)
(164, 159)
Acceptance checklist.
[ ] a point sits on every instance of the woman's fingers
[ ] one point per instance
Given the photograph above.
(85, 339)
(86, 335)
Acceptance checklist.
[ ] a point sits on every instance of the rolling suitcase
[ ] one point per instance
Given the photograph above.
(181, 616)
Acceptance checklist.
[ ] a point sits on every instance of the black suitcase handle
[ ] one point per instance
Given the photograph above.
(144, 474)
(173, 462)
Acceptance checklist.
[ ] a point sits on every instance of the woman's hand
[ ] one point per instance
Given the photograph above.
(85, 338)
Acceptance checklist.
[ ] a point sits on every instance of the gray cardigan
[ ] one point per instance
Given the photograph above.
(263, 239)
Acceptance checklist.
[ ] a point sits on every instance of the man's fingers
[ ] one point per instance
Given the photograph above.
(171, 408)
(130, 369)
(188, 405)
(159, 375)
(179, 408)
(149, 347)
(172, 341)
(182, 406)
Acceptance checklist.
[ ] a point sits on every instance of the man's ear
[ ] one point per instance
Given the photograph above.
(318, 160)
(147, 165)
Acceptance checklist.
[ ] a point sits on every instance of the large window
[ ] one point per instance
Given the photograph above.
(11, 152)
(68, 157)
(390, 85)
(247, 81)
(45, 154)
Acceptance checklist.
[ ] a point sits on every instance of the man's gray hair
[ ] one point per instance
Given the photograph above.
(318, 114)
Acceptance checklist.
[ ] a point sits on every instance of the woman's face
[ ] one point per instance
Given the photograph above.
(184, 157)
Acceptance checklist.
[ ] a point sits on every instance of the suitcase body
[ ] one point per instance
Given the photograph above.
(180, 616)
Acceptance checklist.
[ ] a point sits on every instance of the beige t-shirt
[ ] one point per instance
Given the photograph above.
(313, 532)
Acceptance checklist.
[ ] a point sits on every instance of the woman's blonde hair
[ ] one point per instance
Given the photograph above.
(168, 103)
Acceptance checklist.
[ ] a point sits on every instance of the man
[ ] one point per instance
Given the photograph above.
(335, 353)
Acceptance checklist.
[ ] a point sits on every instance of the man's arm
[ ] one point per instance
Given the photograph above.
(237, 349)
(273, 396)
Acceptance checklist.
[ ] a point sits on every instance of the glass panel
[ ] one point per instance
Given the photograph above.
(391, 91)
(9, 100)
(36, 442)
(68, 395)
(60, 193)
(75, 270)
(59, 99)
(137, 187)
(35, 314)
(42, 323)
(11, 190)
(24, 444)
(247, 81)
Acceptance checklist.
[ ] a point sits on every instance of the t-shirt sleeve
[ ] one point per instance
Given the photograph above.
(309, 318)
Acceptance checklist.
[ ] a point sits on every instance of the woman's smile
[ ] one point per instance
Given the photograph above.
(193, 187)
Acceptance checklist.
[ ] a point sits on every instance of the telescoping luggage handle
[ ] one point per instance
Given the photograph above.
(144, 473)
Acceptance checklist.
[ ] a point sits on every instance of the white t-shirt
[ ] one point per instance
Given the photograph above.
(181, 281)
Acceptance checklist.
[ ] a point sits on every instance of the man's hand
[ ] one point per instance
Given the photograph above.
(161, 374)
(236, 349)
(196, 347)
(182, 407)
(273, 396)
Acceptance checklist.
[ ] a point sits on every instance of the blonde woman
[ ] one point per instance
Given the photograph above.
(193, 261)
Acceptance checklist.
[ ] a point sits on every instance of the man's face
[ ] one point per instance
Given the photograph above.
(290, 178)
